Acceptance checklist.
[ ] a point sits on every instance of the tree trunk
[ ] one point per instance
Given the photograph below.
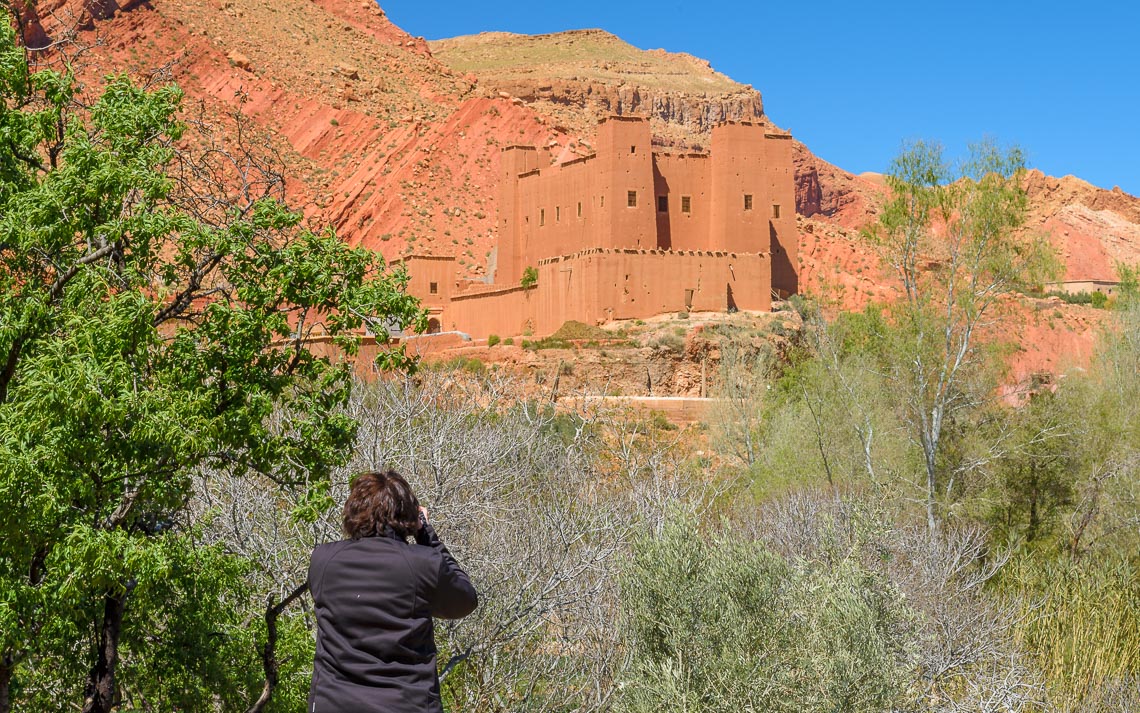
(931, 486)
(7, 664)
(1031, 533)
(101, 694)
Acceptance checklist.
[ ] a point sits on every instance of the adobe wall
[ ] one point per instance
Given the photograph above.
(514, 160)
(559, 211)
(1072, 287)
(431, 278)
(675, 177)
(784, 237)
(507, 312)
(602, 285)
(625, 166)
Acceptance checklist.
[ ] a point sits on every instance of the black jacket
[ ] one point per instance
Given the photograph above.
(375, 598)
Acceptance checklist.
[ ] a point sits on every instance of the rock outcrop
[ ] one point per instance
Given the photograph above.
(575, 77)
(681, 115)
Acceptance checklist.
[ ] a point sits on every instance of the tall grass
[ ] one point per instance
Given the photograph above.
(1081, 622)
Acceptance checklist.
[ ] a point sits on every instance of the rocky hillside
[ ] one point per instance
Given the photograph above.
(378, 137)
(562, 74)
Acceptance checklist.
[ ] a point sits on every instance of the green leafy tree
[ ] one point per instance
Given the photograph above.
(157, 308)
(1035, 478)
(952, 238)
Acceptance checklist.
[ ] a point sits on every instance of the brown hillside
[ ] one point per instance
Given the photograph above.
(378, 137)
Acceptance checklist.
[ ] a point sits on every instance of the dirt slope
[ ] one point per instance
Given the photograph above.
(379, 138)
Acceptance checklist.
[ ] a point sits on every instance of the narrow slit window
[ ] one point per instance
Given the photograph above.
(686, 204)
(775, 210)
(662, 204)
(633, 149)
(541, 216)
(631, 199)
(603, 205)
(747, 201)
(557, 214)
(579, 209)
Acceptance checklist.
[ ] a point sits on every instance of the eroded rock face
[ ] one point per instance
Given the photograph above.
(824, 190)
(694, 115)
(574, 78)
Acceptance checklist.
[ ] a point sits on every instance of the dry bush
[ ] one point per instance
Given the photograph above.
(965, 654)
(535, 504)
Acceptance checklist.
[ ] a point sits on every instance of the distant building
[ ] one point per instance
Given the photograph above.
(627, 233)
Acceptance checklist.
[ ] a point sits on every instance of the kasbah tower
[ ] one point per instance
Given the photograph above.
(627, 233)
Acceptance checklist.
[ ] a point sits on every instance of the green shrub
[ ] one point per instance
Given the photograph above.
(670, 342)
(529, 277)
(492, 340)
(1097, 299)
(714, 622)
(459, 363)
(509, 341)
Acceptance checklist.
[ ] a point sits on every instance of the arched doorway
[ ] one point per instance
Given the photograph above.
(433, 326)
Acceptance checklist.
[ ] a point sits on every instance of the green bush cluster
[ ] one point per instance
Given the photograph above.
(1096, 298)
(719, 622)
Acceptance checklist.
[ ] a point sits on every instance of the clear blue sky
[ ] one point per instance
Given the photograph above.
(853, 80)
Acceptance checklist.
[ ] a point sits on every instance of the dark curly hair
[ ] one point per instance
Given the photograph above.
(379, 500)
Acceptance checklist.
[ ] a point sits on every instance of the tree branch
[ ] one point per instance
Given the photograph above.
(269, 651)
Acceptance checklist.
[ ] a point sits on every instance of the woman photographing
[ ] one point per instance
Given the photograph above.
(375, 596)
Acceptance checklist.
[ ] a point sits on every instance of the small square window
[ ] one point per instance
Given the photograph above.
(747, 201)
(775, 210)
(433, 288)
(579, 209)
(631, 199)
(686, 204)
(542, 216)
(633, 149)
(662, 204)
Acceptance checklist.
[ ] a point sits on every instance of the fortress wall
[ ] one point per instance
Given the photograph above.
(549, 203)
(739, 170)
(513, 160)
(676, 176)
(783, 236)
(426, 270)
(599, 287)
(507, 312)
(625, 164)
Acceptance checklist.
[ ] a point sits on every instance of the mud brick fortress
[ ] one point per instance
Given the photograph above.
(628, 233)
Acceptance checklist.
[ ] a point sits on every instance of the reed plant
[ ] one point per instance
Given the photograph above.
(1080, 620)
